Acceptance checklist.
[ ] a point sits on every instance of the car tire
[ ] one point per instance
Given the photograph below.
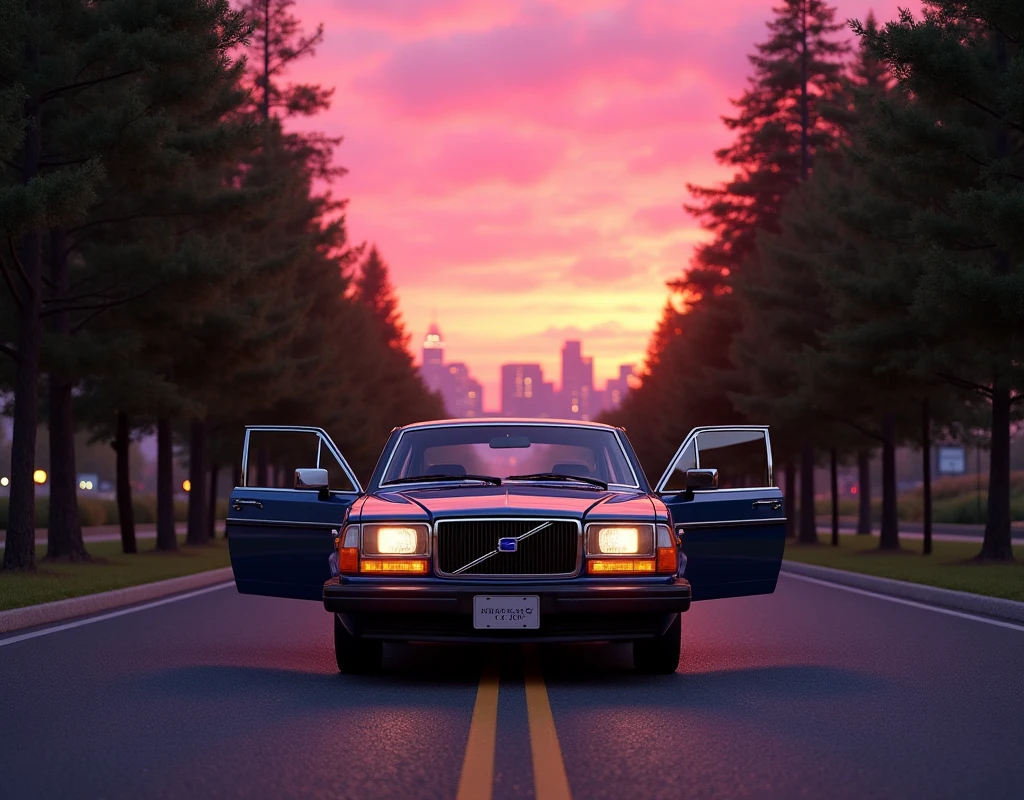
(660, 655)
(356, 656)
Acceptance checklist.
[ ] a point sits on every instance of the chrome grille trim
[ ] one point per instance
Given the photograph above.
(458, 572)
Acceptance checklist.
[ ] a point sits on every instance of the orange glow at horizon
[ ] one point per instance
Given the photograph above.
(522, 166)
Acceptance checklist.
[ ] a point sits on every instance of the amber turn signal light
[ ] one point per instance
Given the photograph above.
(348, 550)
(605, 566)
(668, 555)
(405, 565)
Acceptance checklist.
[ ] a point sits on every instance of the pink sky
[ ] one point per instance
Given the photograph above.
(521, 165)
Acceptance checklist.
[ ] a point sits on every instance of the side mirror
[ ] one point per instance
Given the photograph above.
(311, 479)
(701, 479)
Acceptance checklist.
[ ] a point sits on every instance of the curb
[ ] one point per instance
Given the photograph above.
(995, 607)
(44, 613)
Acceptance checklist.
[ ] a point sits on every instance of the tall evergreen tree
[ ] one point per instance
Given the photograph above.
(785, 118)
(960, 144)
(374, 290)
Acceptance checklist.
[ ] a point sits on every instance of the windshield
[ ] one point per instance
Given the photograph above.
(509, 450)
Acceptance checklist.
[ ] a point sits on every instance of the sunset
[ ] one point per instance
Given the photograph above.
(496, 399)
(522, 166)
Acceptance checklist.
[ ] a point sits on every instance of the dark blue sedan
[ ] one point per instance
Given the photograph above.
(505, 530)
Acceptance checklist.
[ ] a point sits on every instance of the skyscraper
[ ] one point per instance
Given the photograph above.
(524, 392)
(461, 393)
(577, 381)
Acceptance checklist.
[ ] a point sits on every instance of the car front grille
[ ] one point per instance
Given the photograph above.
(552, 550)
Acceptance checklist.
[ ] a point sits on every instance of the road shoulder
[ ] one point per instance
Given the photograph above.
(995, 607)
(59, 610)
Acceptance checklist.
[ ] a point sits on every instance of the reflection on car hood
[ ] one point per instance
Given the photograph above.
(508, 500)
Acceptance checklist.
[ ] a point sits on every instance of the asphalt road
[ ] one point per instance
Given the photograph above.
(813, 692)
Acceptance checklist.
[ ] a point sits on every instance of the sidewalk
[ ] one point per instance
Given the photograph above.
(915, 530)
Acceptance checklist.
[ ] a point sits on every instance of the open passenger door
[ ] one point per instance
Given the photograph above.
(726, 511)
(296, 488)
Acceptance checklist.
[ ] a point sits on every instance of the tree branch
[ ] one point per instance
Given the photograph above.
(1017, 398)
(21, 268)
(9, 280)
(7, 350)
(54, 93)
(962, 383)
(101, 307)
(991, 112)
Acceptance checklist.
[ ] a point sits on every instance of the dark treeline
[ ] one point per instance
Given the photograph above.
(863, 286)
(171, 261)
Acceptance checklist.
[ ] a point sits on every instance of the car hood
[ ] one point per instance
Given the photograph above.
(431, 503)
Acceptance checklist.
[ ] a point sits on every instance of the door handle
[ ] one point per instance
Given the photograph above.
(775, 504)
(237, 504)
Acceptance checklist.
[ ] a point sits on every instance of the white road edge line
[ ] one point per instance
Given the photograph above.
(938, 609)
(111, 614)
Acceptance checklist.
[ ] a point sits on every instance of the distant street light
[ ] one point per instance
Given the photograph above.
(186, 485)
(4, 481)
(39, 476)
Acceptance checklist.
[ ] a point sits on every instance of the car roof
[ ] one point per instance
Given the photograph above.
(463, 421)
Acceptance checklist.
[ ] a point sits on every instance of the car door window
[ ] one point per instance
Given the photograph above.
(687, 459)
(272, 456)
(740, 456)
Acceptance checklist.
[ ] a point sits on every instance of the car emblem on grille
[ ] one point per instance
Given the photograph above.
(506, 544)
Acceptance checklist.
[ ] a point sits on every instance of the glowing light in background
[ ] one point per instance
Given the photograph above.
(39, 476)
(186, 485)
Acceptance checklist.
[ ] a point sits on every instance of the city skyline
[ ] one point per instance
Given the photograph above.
(523, 391)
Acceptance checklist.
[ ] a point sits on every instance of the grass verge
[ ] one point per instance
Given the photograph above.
(110, 569)
(945, 567)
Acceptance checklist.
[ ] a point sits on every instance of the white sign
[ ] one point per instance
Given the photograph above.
(952, 460)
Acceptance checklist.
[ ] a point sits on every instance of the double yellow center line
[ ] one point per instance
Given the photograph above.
(549, 778)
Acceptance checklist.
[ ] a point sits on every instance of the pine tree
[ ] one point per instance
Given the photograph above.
(785, 118)
(374, 290)
(956, 150)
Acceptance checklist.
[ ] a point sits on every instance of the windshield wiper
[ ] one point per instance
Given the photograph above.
(557, 476)
(425, 478)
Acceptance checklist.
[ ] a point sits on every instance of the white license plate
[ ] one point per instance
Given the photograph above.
(506, 611)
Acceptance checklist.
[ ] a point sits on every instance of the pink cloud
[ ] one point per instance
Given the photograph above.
(522, 163)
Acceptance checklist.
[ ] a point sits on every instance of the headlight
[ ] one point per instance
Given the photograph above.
(620, 540)
(395, 540)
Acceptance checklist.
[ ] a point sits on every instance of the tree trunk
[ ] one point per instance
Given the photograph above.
(889, 539)
(197, 521)
(997, 545)
(805, 121)
(166, 535)
(808, 518)
(64, 540)
(211, 503)
(835, 496)
(926, 472)
(789, 498)
(864, 492)
(20, 547)
(125, 511)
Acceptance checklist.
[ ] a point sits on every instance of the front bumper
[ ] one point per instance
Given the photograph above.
(577, 611)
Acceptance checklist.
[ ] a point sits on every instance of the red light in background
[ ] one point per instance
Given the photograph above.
(853, 490)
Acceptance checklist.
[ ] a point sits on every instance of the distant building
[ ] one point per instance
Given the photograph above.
(524, 392)
(617, 388)
(577, 382)
(463, 396)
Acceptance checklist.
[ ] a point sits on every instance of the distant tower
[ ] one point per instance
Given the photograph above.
(432, 368)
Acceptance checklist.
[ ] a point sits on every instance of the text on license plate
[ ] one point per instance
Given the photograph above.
(506, 611)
